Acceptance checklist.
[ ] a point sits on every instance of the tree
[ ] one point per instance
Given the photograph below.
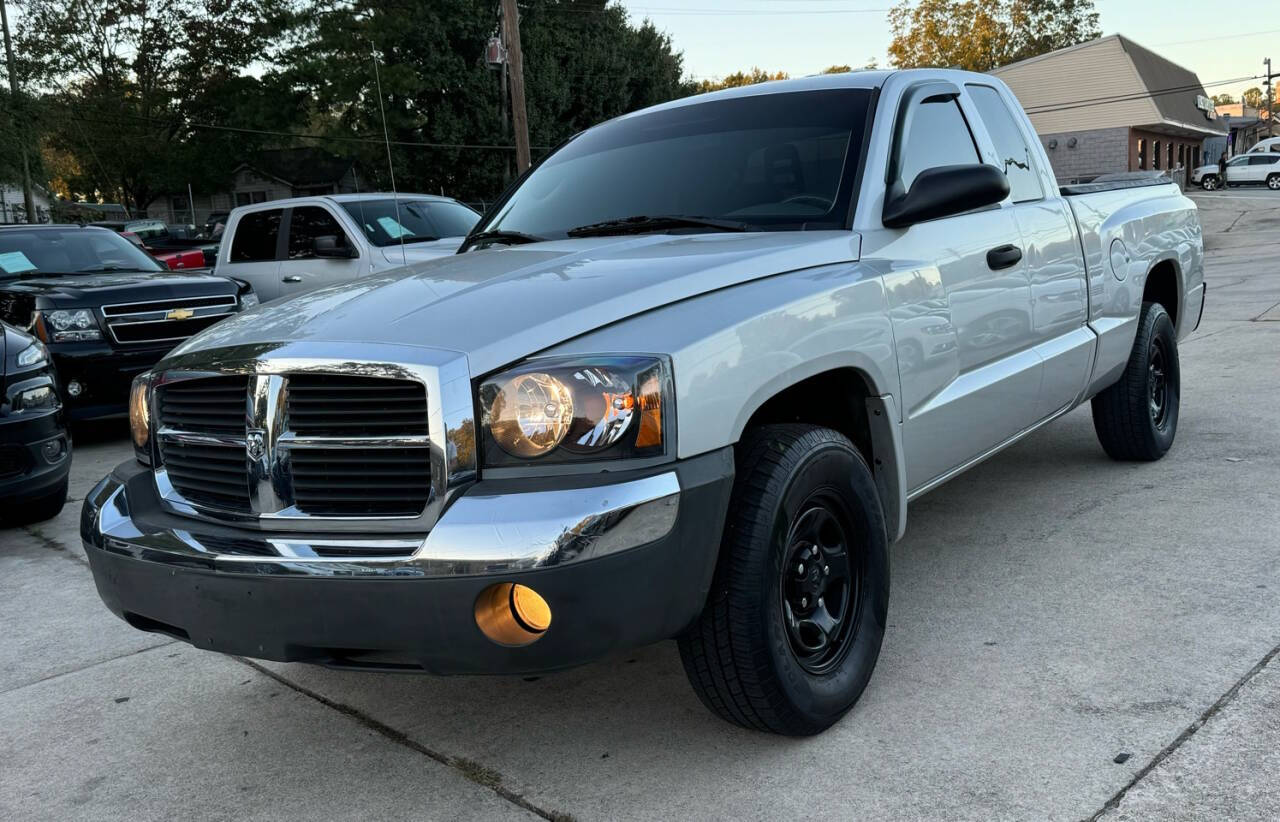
(742, 78)
(1253, 97)
(980, 35)
(129, 80)
(1223, 99)
(584, 62)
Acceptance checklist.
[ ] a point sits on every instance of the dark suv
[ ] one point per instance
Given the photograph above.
(35, 449)
(106, 310)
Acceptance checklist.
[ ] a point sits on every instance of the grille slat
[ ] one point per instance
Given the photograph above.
(396, 482)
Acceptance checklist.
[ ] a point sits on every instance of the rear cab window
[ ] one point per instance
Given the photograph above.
(1015, 154)
(256, 237)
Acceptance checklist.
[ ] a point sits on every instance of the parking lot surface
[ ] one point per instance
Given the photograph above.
(1068, 637)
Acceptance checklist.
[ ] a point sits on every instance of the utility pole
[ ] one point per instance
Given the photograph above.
(519, 119)
(1271, 91)
(28, 198)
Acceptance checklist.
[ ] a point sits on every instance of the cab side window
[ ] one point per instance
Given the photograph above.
(937, 135)
(1015, 154)
(305, 225)
(256, 237)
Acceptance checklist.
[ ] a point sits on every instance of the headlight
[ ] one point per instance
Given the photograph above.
(72, 326)
(140, 417)
(32, 355)
(248, 300)
(569, 410)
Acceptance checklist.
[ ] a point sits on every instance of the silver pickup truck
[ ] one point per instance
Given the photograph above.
(682, 381)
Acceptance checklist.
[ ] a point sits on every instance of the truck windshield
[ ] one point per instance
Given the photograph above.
(773, 162)
(70, 250)
(385, 222)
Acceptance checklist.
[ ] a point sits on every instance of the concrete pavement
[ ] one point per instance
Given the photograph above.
(1069, 637)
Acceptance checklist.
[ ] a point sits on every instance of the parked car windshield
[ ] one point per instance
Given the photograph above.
(70, 250)
(386, 221)
(779, 161)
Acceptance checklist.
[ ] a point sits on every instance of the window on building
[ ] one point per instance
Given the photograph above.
(1182, 158)
(1169, 164)
(1155, 154)
(1142, 154)
(937, 135)
(308, 223)
(1024, 183)
(1195, 154)
(244, 198)
(256, 236)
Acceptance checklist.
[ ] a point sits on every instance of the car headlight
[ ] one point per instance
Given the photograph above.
(140, 417)
(248, 300)
(41, 398)
(33, 355)
(576, 409)
(75, 325)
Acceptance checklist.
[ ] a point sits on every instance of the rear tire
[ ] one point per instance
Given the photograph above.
(792, 628)
(1137, 417)
(1273, 182)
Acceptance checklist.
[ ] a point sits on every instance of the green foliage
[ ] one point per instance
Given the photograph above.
(980, 35)
(741, 78)
(141, 99)
(1253, 97)
(1223, 99)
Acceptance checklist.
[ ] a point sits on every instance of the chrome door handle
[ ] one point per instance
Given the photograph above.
(292, 278)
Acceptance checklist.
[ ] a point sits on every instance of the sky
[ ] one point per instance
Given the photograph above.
(719, 37)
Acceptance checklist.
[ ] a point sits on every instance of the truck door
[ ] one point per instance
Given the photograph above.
(960, 303)
(253, 254)
(319, 251)
(1050, 252)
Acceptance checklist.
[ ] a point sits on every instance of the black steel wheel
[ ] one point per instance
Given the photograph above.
(792, 627)
(1137, 417)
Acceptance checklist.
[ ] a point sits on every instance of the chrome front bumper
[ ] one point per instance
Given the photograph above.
(481, 533)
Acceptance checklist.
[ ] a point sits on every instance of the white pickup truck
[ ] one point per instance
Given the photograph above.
(681, 382)
(285, 247)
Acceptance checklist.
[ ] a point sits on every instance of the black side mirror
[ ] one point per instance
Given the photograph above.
(327, 245)
(942, 191)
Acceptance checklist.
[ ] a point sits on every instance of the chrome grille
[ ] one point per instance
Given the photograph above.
(287, 446)
(165, 320)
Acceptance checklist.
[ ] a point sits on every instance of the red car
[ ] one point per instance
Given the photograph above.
(192, 258)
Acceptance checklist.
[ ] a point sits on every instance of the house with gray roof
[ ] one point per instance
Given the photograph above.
(1110, 105)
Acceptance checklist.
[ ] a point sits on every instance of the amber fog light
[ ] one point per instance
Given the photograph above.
(512, 614)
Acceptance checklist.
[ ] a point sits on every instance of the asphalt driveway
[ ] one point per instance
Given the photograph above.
(1069, 637)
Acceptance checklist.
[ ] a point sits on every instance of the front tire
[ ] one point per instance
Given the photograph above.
(793, 625)
(1210, 182)
(1137, 417)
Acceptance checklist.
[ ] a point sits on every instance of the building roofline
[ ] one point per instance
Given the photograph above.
(1064, 50)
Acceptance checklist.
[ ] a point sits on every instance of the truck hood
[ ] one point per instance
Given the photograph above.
(501, 304)
(417, 252)
(107, 288)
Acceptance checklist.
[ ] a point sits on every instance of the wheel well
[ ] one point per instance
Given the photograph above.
(1162, 287)
(833, 399)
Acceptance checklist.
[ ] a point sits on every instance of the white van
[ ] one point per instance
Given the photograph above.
(1271, 145)
(286, 247)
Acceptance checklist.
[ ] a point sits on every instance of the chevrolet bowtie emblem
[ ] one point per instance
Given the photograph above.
(180, 314)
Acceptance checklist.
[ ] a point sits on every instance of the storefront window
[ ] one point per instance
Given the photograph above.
(1155, 154)
(1170, 163)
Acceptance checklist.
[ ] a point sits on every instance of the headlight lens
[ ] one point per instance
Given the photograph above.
(72, 326)
(32, 355)
(140, 417)
(248, 300)
(43, 398)
(566, 410)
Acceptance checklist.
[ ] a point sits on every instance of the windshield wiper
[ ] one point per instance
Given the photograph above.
(500, 236)
(97, 269)
(642, 223)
